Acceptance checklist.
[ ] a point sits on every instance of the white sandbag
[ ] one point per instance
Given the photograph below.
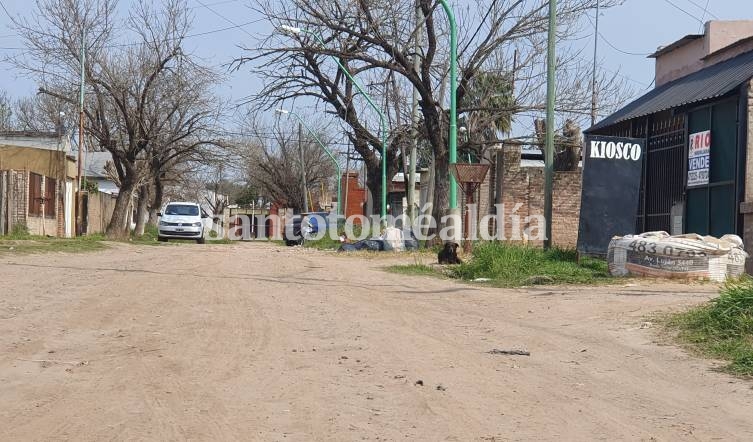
(688, 256)
(393, 240)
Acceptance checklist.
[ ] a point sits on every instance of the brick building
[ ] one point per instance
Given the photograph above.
(37, 176)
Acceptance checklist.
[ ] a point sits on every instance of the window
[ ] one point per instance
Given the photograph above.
(35, 194)
(50, 184)
(182, 210)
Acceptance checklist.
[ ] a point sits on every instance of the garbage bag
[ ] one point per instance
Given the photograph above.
(393, 239)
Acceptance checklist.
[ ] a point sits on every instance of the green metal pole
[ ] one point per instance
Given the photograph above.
(332, 157)
(549, 148)
(382, 119)
(453, 144)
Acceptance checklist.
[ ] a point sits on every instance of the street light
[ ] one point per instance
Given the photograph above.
(332, 157)
(383, 121)
(453, 144)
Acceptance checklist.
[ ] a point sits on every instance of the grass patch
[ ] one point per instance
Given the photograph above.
(29, 244)
(414, 269)
(148, 238)
(506, 265)
(722, 328)
(325, 243)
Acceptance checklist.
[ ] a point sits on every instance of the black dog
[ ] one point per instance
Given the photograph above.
(449, 254)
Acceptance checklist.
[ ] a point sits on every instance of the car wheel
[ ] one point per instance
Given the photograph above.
(200, 241)
(161, 239)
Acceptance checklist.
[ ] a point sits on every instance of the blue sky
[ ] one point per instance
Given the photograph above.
(637, 26)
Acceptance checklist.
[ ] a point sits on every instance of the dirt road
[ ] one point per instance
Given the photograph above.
(261, 342)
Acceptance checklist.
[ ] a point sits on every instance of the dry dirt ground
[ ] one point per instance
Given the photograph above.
(262, 342)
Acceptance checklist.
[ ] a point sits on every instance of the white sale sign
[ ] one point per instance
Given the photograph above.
(699, 156)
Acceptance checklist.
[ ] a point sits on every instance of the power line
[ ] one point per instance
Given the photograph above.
(704, 8)
(686, 12)
(273, 137)
(199, 34)
(223, 17)
(703, 17)
(642, 54)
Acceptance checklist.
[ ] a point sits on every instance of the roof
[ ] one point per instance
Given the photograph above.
(35, 140)
(672, 46)
(94, 164)
(711, 82)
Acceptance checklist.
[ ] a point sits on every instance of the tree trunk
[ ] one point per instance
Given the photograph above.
(117, 228)
(441, 189)
(156, 203)
(374, 186)
(142, 210)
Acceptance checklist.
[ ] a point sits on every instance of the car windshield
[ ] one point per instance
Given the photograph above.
(182, 209)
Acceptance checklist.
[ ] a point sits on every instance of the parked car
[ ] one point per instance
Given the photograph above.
(181, 221)
(302, 227)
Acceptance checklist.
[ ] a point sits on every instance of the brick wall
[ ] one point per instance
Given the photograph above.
(523, 187)
(45, 226)
(16, 207)
(356, 195)
(17, 199)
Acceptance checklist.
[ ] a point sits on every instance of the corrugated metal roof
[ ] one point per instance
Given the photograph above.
(711, 82)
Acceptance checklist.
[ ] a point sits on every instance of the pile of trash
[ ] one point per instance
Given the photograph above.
(688, 256)
(391, 240)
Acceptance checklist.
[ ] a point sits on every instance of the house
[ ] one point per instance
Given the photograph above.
(95, 171)
(703, 97)
(37, 183)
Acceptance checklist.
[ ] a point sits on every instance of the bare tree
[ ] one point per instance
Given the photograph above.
(43, 113)
(273, 158)
(132, 108)
(375, 39)
(6, 112)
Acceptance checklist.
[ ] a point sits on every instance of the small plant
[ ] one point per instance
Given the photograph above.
(91, 186)
(722, 328)
(19, 231)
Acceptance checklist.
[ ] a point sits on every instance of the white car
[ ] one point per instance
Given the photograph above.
(181, 221)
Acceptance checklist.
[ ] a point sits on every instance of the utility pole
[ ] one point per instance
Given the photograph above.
(303, 168)
(415, 119)
(593, 81)
(549, 148)
(80, 160)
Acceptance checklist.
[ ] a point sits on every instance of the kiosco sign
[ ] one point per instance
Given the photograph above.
(699, 158)
(611, 184)
(615, 150)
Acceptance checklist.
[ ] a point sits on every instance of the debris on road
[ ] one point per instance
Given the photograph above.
(509, 352)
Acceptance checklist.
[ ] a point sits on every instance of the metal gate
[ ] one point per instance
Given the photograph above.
(663, 171)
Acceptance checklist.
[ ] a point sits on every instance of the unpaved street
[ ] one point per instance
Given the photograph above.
(262, 342)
